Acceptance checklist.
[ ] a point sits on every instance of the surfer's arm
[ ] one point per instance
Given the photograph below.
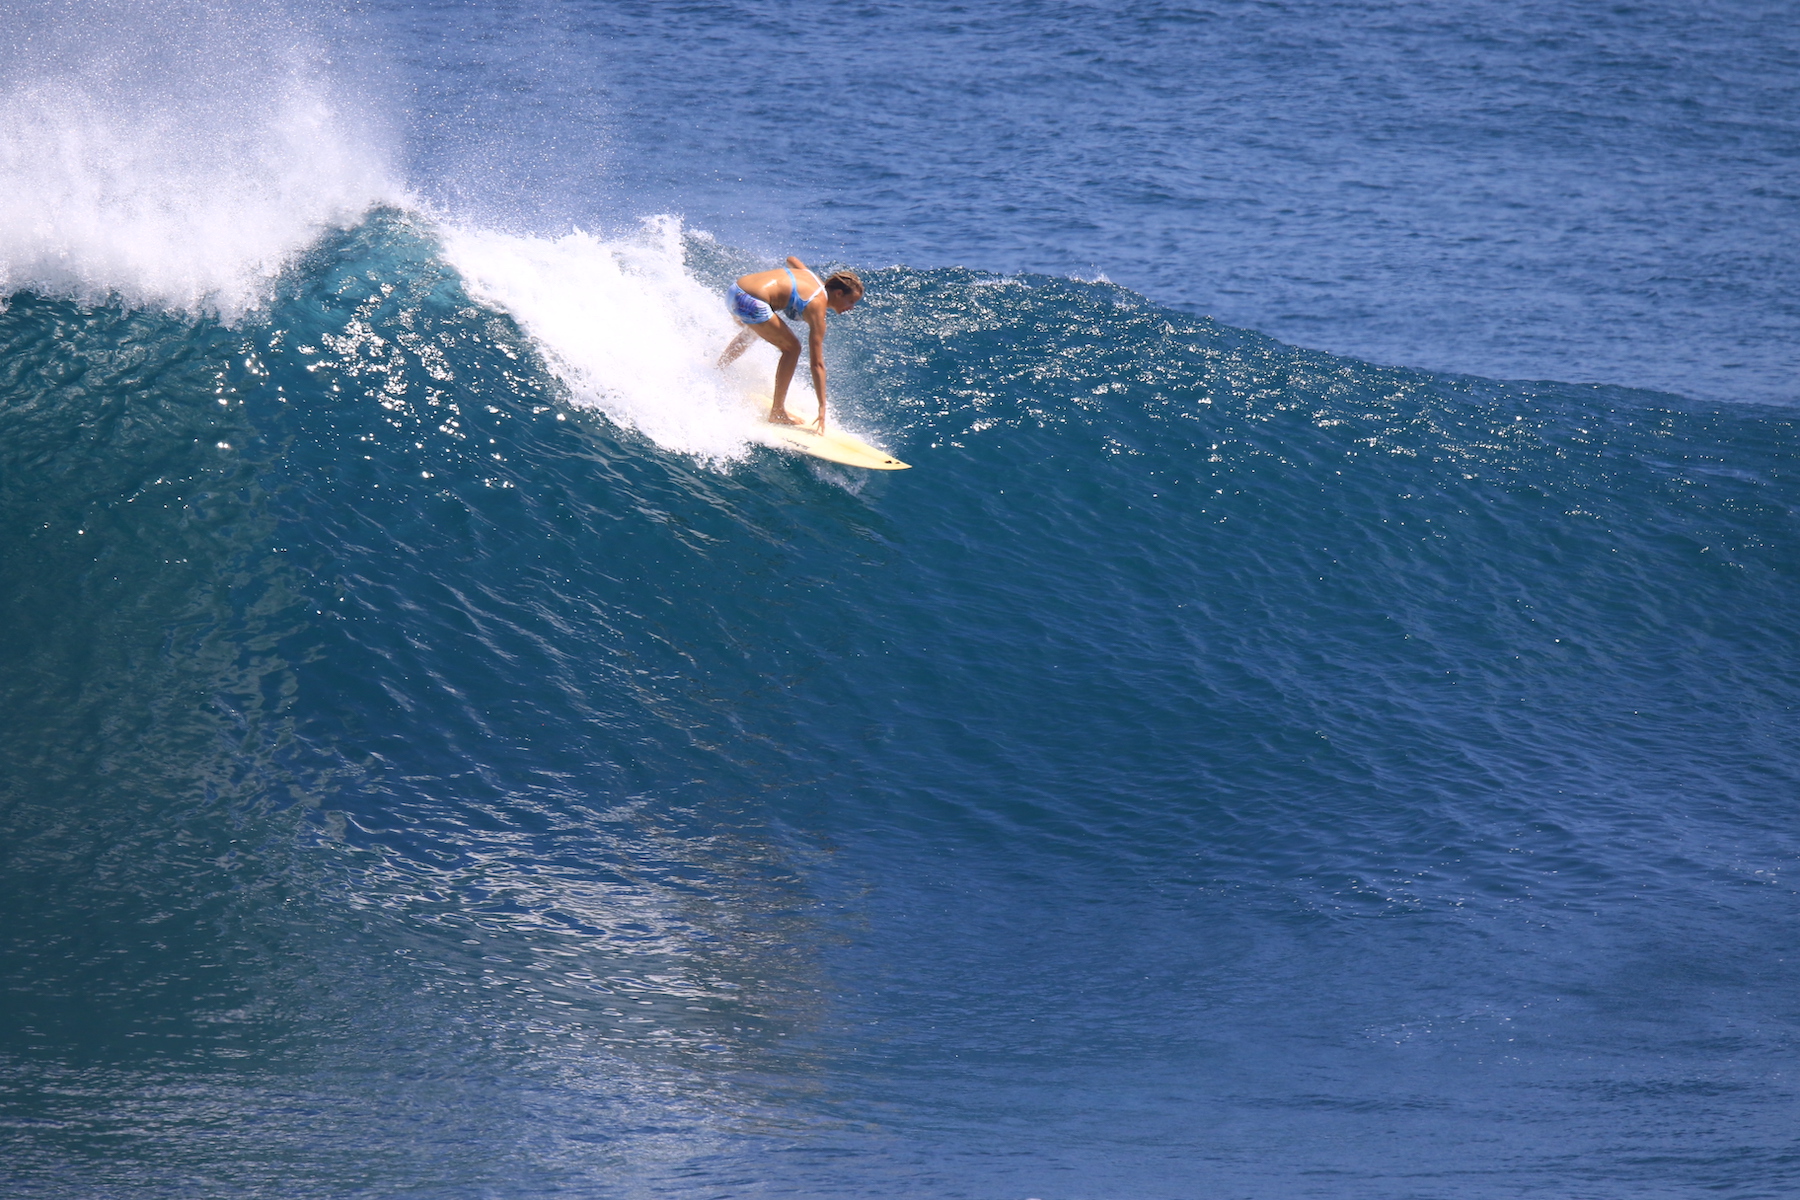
(815, 353)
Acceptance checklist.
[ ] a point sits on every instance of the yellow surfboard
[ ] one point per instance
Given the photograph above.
(834, 445)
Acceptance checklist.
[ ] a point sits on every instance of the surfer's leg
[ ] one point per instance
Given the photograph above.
(738, 345)
(777, 334)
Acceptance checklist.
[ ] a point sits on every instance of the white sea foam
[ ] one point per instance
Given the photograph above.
(174, 155)
(625, 326)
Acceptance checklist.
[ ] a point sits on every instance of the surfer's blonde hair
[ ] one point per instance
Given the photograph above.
(844, 281)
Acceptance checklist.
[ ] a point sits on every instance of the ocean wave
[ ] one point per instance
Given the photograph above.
(427, 662)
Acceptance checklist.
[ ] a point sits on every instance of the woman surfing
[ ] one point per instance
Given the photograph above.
(797, 294)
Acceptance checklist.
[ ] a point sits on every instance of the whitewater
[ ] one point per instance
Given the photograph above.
(1340, 746)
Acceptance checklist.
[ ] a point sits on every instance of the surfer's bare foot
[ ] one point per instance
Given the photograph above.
(778, 416)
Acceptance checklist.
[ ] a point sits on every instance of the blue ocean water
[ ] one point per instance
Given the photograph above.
(447, 755)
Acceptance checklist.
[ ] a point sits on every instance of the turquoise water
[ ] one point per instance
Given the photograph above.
(448, 755)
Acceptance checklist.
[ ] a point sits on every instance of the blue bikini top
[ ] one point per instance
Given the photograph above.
(795, 305)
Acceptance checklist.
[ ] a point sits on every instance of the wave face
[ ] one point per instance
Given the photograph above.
(446, 755)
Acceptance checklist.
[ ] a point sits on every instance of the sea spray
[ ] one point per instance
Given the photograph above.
(621, 323)
(176, 159)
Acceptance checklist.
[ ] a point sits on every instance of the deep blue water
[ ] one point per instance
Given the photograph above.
(446, 755)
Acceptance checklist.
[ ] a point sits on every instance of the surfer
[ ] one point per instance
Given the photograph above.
(796, 293)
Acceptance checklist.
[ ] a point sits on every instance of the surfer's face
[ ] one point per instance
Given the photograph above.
(842, 302)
